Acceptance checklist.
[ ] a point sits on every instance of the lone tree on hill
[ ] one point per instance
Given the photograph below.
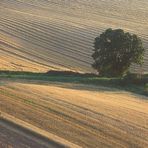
(115, 50)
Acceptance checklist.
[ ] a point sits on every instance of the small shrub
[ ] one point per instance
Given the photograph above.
(132, 78)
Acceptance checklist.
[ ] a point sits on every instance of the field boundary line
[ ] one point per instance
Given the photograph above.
(24, 126)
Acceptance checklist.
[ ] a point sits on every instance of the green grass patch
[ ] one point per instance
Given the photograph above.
(130, 83)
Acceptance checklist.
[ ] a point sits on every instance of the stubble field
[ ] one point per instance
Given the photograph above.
(47, 35)
(59, 34)
(88, 116)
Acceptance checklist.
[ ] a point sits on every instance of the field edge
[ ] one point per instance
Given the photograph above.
(35, 131)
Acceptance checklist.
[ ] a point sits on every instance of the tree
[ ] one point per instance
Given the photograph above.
(114, 52)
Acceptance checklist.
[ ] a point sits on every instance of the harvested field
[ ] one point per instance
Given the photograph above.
(89, 116)
(9, 138)
(43, 35)
(59, 34)
(12, 136)
(19, 134)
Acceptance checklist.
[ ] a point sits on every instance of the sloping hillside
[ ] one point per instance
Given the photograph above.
(59, 34)
(89, 116)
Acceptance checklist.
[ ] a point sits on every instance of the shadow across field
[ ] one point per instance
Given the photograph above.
(76, 78)
(24, 137)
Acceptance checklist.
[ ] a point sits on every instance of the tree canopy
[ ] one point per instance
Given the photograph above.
(115, 50)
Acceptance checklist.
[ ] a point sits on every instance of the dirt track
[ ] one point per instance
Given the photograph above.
(59, 34)
(88, 116)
